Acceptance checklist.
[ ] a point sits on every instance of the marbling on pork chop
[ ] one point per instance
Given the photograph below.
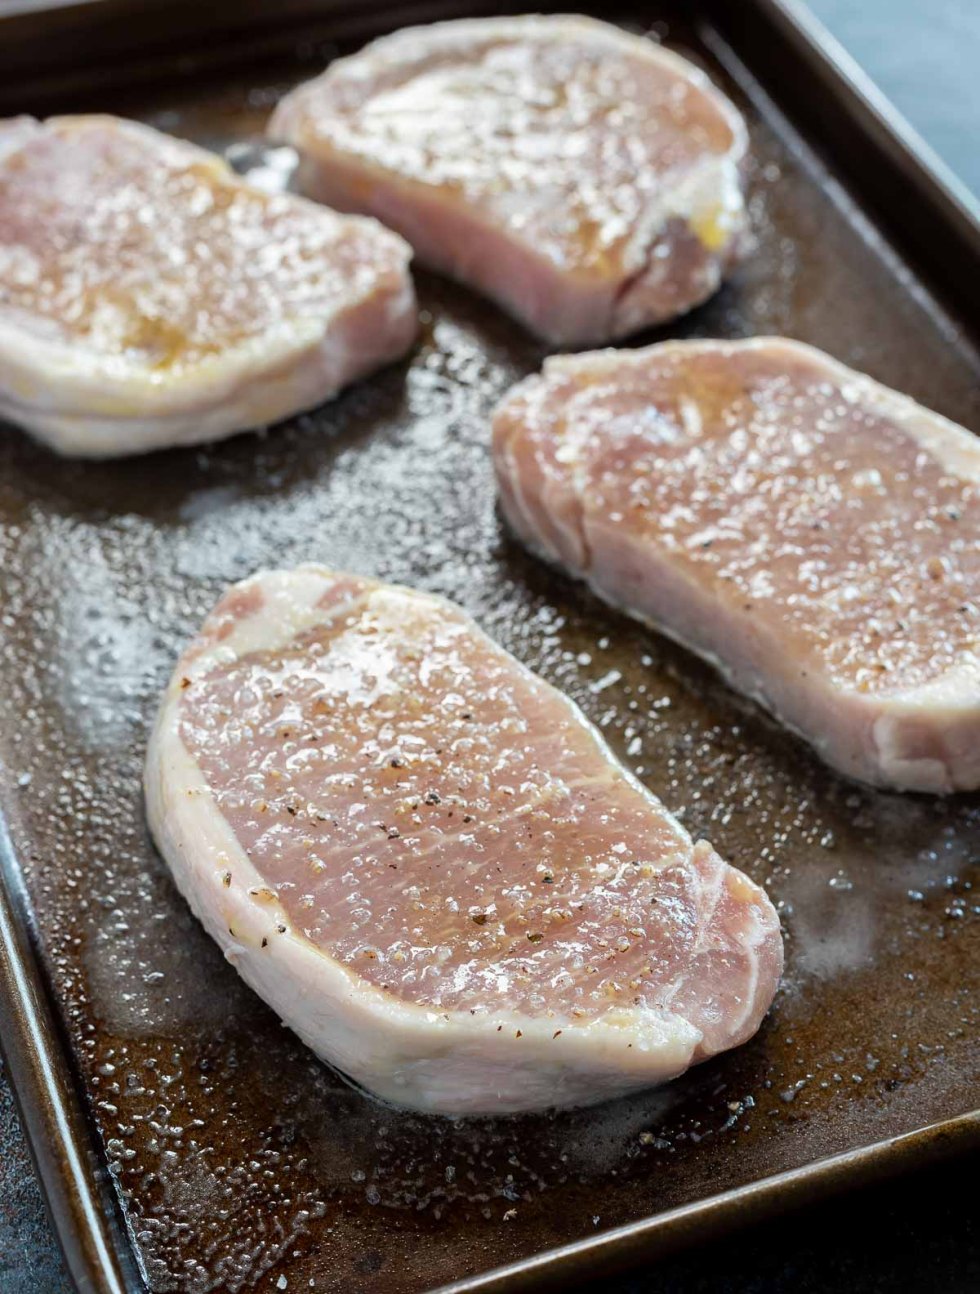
(429, 863)
(812, 533)
(149, 297)
(584, 178)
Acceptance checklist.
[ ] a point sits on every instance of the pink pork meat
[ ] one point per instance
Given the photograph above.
(813, 534)
(430, 865)
(584, 178)
(149, 297)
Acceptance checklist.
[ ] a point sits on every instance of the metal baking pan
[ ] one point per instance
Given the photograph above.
(184, 1139)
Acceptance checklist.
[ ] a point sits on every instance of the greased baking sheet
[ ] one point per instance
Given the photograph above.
(239, 1159)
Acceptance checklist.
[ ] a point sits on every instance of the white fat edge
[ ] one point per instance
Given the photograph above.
(15, 132)
(956, 690)
(289, 609)
(70, 377)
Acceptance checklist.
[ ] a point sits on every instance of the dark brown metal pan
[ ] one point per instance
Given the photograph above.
(185, 1140)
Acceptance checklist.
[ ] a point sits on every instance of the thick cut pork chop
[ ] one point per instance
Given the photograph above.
(149, 297)
(813, 534)
(585, 179)
(429, 864)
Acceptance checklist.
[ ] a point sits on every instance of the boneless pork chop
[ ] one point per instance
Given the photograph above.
(149, 297)
(813, 534)
(584, 178)
(429, 863)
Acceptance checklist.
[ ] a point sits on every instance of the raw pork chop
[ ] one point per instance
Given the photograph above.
(813, 534)
(149, 297)
(429, 863)
(585, 179)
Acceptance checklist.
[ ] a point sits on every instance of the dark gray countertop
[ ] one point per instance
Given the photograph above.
(920, 1234)
(924, 55)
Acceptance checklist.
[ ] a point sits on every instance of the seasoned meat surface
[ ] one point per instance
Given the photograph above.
(584, 178)
(149, 297)
(814, 534)
(449, 845)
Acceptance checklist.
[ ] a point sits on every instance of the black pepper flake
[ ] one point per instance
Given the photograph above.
(281, 929)
(518, 1034)
(292, 809)
(547, 880)
(185, 682)
(393, 833)
(397, 763)
(433, 797)
(226, 879)
(479, 918)
(556, 1033)
(534, 937)
(265, 942)
(467, 817)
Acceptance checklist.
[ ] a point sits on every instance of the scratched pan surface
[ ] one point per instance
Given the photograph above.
(238, 1159)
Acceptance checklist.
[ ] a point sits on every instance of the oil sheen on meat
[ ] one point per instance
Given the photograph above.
(149, 297)
(585, 179)
(812, 533)
(429, 863)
